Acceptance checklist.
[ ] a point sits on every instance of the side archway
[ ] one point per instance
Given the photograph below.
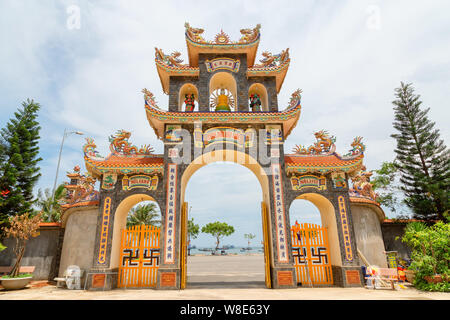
(328, 219)
(120, 222)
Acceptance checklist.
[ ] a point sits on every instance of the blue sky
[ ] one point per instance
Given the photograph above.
(346, 56)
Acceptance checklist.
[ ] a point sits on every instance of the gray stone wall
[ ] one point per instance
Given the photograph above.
(368, 234)
(390, 232)
(79, 239)
(41, 252)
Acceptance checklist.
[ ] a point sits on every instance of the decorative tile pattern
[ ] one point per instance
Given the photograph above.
(104, 231)
(171, 206)
(345, 229)
(279, 213)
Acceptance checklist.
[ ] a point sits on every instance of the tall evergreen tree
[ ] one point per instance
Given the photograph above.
(422, 157)
(18, 164)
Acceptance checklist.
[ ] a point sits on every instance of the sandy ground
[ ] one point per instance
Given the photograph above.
(218, 278)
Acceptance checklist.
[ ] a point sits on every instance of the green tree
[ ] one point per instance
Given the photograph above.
(19, 171)
(193, 231)
(51, 207)
(144, 214)
(422, 158)
(218, 230)
(385, 183)
(249, 237)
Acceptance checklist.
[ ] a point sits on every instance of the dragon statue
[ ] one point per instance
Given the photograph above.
(172, 60)
(323, 145)
(271, 60)
(149, 98)
(89, 148)
(194, 33)
(295, 98)
(84, 189)
(362, 185)
(357, 147)
(249, 35)
(119, 144)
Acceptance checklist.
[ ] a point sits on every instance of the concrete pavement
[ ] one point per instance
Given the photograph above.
(222, 278)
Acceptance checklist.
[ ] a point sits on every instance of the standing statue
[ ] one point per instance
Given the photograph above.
(189, 100)
(255, 102)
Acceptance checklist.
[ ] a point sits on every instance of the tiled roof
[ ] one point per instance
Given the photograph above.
(321, 163)
(116, 161)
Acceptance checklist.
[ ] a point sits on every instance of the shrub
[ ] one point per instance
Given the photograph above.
(430, 253)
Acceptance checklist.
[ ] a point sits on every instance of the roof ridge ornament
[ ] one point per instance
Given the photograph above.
(323, 146)
(249, 35)
(121, 145)
(271, 60)
(171, 60)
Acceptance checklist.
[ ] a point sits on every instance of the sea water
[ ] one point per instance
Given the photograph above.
(236, 250)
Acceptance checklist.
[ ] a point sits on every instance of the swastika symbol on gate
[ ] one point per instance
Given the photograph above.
(316, 258)
(130, 258)
(154, 255)
(299, 257)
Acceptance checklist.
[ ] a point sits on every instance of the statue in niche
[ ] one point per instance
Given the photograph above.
(189, 100)
(222, 101)
(255, 102)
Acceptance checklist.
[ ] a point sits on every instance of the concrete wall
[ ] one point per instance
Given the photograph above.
(390, 232)
(80, 226)
(369, 237)
(41, 252)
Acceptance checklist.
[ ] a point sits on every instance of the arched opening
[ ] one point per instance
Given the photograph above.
(327, 220)
(120, 222)
(255, 92)
(222, 92)
(214, 194)
(188, 98)
(304, 211)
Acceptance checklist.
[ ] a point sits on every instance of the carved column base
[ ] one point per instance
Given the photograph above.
(168, 279)
(283, 277)
(100, 279)
(350, 276)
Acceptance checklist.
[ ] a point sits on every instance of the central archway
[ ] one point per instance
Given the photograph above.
(244, 160)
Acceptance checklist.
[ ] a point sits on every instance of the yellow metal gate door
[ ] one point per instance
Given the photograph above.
(311, 254)
(139, 257)
(265, 223)
(184, 244)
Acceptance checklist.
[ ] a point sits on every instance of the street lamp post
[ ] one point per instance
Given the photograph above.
(66, 134)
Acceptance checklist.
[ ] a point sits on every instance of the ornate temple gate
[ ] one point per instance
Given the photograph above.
(139, 257)
(311, 254)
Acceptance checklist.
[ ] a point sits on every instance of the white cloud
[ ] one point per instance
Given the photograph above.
(90, 79)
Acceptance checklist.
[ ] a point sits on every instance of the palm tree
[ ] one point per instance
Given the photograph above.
(49, 206)
(144, 214)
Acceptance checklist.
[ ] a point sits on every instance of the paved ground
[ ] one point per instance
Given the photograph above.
(222, 277)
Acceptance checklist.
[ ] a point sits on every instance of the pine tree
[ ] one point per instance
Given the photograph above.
(422, 157)
(18, 164)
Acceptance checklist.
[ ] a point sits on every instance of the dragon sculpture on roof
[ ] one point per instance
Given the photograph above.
(171, 60)
(194, 33)
(323, 145)
(119, 144)
(271, 60)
